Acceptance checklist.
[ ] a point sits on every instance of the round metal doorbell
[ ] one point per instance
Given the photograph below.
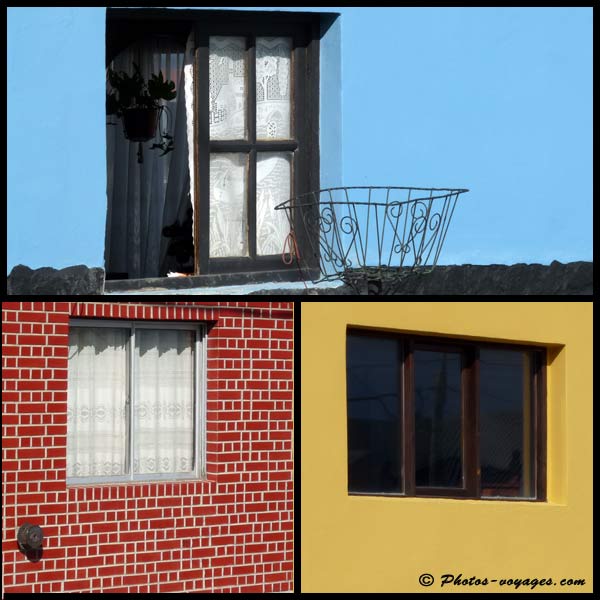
(30, 537)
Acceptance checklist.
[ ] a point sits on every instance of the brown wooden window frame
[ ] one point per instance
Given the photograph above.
(470, 393)
(303, 143)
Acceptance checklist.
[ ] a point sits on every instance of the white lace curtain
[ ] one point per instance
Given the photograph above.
(164, 401)
(99, 413)
(144, 198)
(228, 121)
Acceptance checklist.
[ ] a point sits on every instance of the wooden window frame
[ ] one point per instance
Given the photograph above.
(305, 31)
(470, 392)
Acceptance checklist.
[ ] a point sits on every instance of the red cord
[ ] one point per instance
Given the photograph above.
(292, 245)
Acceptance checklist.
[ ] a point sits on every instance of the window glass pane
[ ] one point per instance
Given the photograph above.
(228, 207)
(273, 186)
(438, 454)
(273, 87)
(164, 401)
(374, 416)
(97, 415)
(506, 423)
(227, 88)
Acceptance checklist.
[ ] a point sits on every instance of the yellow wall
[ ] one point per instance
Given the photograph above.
(352, 543)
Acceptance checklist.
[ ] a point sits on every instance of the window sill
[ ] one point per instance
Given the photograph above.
(447, 499)
(200, 281)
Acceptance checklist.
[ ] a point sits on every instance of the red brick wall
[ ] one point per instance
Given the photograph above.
(230, 533)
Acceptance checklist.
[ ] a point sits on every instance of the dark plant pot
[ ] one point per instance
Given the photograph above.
(139, 124)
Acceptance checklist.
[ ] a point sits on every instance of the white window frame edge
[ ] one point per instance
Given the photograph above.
(200, 376)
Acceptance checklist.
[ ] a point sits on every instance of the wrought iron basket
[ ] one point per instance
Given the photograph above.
(369, 237)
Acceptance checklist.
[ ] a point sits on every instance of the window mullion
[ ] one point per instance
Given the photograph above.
(409, 420)
(470, 421)
(401, 395)
(251, 200)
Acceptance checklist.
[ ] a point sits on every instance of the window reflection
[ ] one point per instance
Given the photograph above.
(506, 423)
(374, 440)
(438, 454)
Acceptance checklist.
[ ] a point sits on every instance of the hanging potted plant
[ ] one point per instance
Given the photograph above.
(138, 104)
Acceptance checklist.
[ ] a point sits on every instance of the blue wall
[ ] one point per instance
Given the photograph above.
(56, 137)
(496, 100)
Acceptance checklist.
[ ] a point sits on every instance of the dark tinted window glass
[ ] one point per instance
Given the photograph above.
(506, 423)
(438, 455)
(374, 438)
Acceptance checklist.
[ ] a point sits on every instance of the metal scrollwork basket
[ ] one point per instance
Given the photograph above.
(369, 237)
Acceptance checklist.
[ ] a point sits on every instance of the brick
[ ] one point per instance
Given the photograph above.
(195, 574)
(76, 540)
(26, 362)
(31, 475)
(135, 580)
(270, 577)
(77, 586)
(172, 587)
(132, 536)
(89, 517)
(111, 548)
(225, 581)
(224, 540)
(150, 514)
(148, 556)
(31, 385)
(50, 576)
(33, 317)
(164, 565)
(274, 557)
(31, 340)
(162, 523)
(57, 384)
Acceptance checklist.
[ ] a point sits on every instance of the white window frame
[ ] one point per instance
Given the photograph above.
(199, 387)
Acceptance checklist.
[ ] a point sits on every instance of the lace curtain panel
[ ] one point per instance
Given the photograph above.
(228, 121)
(227, 88)
(99, 412)
(273, 88)
(273, 184)
(228, 206)
(164, 401)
